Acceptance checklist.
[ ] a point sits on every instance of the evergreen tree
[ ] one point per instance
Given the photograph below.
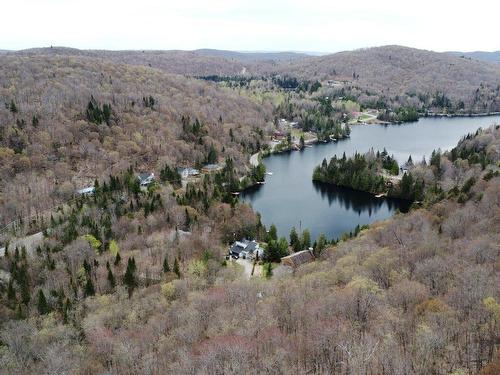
(294, 240)
(66, 308)
(273, 233)
(212, 155)
(166, 266)
(118, 259)
(177, 270)
(111, 277)
(306, 239)
(12, 106)
(320, 245)
(276, 250)
(129, 278)
(11, 293)
(19, 312)
(89, 288)
(43, 307)
(23, 282)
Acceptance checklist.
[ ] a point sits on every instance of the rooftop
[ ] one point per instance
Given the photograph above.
(296, 259)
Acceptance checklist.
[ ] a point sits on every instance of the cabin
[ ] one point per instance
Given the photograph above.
(297, 259)
(246, 249)
(146, 178)
(86, 191)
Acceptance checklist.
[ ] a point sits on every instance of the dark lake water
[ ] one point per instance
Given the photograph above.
(290, 197)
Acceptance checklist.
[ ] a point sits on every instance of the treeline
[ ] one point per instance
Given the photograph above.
(371, 173)
(401, 114)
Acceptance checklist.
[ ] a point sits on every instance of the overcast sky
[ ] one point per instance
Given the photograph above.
(271, 25)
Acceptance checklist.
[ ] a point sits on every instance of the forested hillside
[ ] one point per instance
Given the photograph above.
(189, 63)
(66, 120)
(382, 77)
(409, 76)
(109, 290)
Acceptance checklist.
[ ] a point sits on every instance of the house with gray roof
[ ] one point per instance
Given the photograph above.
(246, 249)
(146, 178)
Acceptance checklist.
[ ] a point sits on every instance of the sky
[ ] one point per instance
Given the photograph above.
(253, 25)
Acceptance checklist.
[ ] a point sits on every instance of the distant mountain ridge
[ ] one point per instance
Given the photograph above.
(253, 56)
(387, 71)
(493, 56)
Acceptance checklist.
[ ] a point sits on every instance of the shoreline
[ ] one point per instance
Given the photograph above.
(427, 114)
(481, 114)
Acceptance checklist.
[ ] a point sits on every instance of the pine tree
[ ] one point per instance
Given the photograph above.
(294, 240)
(306, 239)
(89, 288)
(166, 266)
(12, 106)
(111, 277)
(43, 307)
(129, 277)
(118, 259)
(273, 233)
(23, 282)
(11, 293)
(19, 312)
(177, 270)
(67, 306)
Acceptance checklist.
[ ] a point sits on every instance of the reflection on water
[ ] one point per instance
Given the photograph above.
(358, 201)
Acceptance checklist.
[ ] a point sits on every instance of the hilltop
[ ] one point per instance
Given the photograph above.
(253, 56)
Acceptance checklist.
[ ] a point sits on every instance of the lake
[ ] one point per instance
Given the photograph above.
(290, 198)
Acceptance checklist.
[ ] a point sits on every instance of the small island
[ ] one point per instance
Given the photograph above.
(374, 172)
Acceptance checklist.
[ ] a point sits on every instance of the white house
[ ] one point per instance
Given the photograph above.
(146, 178)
